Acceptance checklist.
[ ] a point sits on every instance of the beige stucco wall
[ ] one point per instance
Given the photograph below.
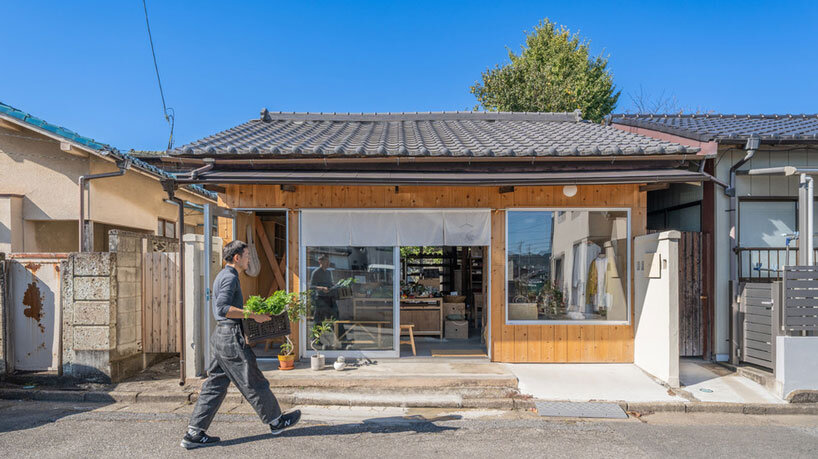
(11, 223)
(34, 166)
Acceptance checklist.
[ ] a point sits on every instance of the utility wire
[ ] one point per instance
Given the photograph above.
(169, 112)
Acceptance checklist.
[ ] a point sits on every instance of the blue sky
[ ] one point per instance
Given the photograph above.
(87, 65)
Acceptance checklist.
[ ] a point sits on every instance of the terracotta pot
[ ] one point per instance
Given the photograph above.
(286, 362)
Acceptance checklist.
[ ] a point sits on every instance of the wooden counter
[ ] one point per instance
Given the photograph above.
(425, 313)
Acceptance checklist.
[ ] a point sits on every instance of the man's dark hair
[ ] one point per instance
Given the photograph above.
(232, 249)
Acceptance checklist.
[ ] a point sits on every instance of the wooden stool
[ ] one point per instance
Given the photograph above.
(411, 329)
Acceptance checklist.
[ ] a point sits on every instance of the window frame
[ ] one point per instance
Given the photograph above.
(778, 199)
(628, 269)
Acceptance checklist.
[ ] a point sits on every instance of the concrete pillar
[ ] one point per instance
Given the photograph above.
(656, 320)
(196, 310)
(11, 223)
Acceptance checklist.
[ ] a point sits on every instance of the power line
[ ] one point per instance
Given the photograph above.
(170, 114)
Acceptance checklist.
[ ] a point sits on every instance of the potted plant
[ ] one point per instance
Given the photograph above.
(285, 308)
(296, 310)
(286, 359)
(316, 332)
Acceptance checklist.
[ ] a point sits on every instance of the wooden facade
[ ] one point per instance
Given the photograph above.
(509, 343)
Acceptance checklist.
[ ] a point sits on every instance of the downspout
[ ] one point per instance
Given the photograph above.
(712, 178)
(170, 188)
(751, 146)
(123, 166)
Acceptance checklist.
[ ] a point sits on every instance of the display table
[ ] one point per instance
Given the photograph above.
(426, 314)
(365, 326)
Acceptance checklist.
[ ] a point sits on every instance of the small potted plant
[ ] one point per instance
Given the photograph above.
(316, 332)
(286, 359)
(296, 310)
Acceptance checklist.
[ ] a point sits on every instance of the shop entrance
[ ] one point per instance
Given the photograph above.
(442, 301)
(396, 283)
(439, 292)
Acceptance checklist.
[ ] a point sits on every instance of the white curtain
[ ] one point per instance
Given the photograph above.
(386, 228)
(466, 228)
(372, 229)
(420, 227)
(328, 228)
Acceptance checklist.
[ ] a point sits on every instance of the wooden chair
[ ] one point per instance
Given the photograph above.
(410, 328)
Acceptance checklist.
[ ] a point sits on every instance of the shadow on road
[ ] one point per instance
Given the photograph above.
(24, 414)
(386, 425)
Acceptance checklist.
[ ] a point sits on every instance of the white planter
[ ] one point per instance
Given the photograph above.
(317, 362)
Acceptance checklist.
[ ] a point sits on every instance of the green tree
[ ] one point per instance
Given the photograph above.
(554, 72)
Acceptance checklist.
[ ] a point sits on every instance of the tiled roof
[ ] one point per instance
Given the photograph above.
(709, 127)
(443, 134)
(94, 145)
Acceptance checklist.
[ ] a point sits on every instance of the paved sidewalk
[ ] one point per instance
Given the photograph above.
(586, 382)
(710, 382)
(435, 384)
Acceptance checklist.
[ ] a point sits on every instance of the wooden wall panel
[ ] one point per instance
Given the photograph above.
(509, 343)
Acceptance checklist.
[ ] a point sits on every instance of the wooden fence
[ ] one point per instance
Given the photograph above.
(160, 299)
(694, 300)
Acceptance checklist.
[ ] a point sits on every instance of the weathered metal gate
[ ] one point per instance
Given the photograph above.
(694, 262)
(160, 295)
(35, 310)
(757, 309)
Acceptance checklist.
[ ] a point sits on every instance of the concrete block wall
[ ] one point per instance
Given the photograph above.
(3, 315)
(89, 292)
(128, 249)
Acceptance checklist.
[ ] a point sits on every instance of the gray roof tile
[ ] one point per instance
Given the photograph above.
(723, 127)
(440, 134)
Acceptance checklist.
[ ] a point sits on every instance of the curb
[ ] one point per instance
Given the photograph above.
(506, 404)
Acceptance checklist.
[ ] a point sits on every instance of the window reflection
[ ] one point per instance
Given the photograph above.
(363, 308)
(567, 265)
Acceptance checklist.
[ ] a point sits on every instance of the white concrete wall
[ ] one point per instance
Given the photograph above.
(656, 321)
(796, 364)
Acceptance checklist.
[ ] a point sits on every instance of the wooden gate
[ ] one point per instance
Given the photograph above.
(160, 297)
(694, 267)
(756, 308)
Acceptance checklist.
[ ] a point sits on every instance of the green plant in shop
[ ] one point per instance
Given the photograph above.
(318, 330)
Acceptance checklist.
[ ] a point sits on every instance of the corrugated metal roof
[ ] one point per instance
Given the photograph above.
(68, 134)
(443, 134)
(724, 127)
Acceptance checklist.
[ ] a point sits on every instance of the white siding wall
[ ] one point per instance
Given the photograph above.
(756, 186)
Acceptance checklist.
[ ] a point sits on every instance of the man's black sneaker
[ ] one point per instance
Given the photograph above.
(285, 422)
(198, 440)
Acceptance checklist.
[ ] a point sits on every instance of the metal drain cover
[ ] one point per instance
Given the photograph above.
(581, 410)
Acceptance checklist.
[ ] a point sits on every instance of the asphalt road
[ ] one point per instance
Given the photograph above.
(44, 430)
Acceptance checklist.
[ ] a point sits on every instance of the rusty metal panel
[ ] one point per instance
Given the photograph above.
(35, 311)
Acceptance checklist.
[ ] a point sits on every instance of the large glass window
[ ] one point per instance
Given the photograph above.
(363, 310)
(566, 265)
(766, 223)
(764, 229)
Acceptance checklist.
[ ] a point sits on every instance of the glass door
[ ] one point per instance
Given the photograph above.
(354, 289)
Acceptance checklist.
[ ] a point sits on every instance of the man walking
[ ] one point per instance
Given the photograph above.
(232, 360)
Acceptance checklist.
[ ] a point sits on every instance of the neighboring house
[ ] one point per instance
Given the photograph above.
(40, 166)
(754, 250)
(363, 185)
